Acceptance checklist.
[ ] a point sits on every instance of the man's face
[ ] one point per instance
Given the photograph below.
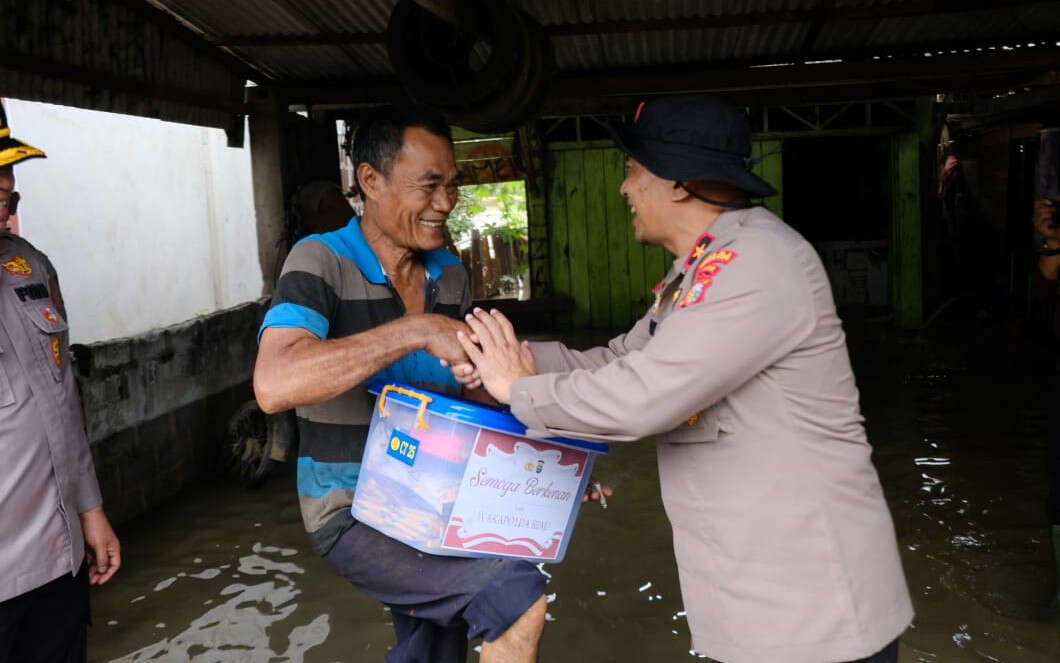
(648, 198)
(7, 196)
(416, 198)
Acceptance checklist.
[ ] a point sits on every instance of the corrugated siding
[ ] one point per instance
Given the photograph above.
(113, 41)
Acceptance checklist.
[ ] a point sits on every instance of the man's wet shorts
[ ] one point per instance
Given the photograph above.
(437, 603)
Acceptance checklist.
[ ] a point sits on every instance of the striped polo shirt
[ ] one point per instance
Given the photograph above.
(333, 286)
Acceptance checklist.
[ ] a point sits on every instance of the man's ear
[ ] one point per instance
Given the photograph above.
(12, 203)
(679, 193)
(370, 180)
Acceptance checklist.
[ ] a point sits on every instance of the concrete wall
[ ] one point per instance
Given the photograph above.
(157, 405)
(149, 223)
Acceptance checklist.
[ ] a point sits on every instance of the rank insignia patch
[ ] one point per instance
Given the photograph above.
(704, 276)
(699, 249)
(17, 266)
(56, 355)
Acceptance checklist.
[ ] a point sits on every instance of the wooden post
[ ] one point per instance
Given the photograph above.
(537, 211)
(267, 152)
(929, 129)
(906, 260)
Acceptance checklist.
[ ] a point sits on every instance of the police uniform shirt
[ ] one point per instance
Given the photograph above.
(47, 477)
(784, 543)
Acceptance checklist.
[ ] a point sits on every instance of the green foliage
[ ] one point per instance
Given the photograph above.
(508, 197)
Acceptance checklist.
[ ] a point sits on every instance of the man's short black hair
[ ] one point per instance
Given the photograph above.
(380, 134)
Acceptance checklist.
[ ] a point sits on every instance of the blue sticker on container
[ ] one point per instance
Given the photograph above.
(403, 447)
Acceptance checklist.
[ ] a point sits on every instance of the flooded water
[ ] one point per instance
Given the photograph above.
(226, 574)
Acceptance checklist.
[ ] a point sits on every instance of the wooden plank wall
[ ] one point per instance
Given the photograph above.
(593, 257)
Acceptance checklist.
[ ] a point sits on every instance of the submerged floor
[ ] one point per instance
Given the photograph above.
(958, 430)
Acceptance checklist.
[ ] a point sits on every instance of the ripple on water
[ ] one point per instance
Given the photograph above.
(248, 620)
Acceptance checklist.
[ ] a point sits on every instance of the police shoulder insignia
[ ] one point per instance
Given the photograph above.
(708, 268)
(698, 249)
(18, 266)
(57, 356)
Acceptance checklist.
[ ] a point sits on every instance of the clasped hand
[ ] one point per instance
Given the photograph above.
(497, 357)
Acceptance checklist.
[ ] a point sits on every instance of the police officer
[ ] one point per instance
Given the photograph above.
(56, 539)
(784, 543)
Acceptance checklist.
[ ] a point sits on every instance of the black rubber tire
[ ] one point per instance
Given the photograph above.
(520, 102)
(246, 448)
(433, 61)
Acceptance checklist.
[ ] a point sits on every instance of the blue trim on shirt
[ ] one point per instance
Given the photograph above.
(317, 479)
(435, 260)
(349, 242)
(294, 315)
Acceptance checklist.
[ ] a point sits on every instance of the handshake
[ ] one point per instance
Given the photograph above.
(487, 354)
(483, 351)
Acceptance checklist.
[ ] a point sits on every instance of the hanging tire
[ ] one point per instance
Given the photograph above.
(245, 453)
(530, 83)
(434, 61)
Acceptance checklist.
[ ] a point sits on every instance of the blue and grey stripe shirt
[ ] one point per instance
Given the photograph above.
(333, 286)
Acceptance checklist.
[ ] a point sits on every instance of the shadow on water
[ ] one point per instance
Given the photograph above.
(226, 575)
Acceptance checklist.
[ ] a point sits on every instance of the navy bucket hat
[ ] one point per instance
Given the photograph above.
(693, 137)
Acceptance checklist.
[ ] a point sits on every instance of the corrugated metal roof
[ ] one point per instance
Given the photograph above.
(295, 41)
(646, 47)
(87, 53)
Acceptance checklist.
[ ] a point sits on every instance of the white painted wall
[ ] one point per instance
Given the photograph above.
(149, 223)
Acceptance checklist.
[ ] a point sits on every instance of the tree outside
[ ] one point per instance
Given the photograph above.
(489, 230)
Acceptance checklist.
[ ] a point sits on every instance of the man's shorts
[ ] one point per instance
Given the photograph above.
(437, 603)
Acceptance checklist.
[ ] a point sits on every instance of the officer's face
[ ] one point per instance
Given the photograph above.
(412, 203)
(7, 195)
(648, 196)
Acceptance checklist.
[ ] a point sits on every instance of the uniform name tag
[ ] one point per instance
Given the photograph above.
(32, 291)
(403, 447)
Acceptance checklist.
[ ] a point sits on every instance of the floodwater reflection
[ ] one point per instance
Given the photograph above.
(226, 575)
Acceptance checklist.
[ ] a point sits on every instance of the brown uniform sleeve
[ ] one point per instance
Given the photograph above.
(758, 309)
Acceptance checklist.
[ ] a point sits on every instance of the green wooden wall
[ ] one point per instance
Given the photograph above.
(592, 257)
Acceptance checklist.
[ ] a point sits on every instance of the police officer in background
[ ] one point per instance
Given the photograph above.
(784, 543)
(54, 537)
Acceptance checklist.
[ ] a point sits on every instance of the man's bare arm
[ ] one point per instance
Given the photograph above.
(296, 368)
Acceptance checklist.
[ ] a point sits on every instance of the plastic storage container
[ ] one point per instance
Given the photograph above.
(451, 477)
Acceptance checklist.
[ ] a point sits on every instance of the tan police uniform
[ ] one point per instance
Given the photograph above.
(47, 477)
(784, 543)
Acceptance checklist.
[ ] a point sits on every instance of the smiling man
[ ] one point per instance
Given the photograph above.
(784, 544)
(382, 298)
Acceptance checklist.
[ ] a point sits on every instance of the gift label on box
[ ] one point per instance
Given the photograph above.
(516, 497)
